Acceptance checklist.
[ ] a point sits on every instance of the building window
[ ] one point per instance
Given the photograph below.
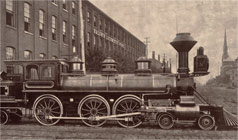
(122, 36)
(64, 4)
(88, 39)
(27, 54)
(106, 28)
(73, 35)
(64, 32)
(9, 13)
(42, 56)
(119, 34)
(74, 49)
(100, 24)
(101, 42)
(73, 8)
(53, 27)
(111, 29)
(27, 17)
(94, 40)
(115, 31)
(41, 22)
(88, 16)
(95, 21)
(10, 53)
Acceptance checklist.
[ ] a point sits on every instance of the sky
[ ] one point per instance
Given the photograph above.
(160, 20)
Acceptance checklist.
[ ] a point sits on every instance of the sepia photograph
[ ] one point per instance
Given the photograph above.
(119, 69)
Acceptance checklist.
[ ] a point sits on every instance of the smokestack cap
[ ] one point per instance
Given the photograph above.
(183, 42)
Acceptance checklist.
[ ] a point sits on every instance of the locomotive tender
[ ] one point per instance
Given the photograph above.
(58, 89)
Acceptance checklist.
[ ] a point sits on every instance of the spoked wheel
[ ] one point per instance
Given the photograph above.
(93, 106)
(4, 117)
(128, 104)
(45, 106)
(206, 122)
(165, 121)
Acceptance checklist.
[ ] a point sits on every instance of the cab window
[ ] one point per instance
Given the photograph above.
(64, 68)
(47, 72)
(14, 69)
(32, 72)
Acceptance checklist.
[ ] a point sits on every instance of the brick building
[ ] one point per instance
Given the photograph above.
(104, 33)
(39, 29)
(51, 29)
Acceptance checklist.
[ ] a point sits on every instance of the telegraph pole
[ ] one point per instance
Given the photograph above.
(147, 43)
(82, 35)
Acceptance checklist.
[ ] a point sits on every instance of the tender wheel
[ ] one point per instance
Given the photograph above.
(93, 106)
(45, 106)
(4, 117)
(206, 122)
(165, 121)
(128, 104)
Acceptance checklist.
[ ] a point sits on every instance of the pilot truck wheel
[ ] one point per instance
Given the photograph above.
(4, 117)
(45, 106)
(206, 122)
(165, 120)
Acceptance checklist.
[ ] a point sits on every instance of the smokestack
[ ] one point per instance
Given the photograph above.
(153, 54)
(183, 43)
(158, 57)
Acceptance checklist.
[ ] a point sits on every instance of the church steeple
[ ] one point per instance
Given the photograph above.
(225, 49)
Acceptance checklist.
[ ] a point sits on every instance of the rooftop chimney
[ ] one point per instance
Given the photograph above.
(158, 57)
(183, 43)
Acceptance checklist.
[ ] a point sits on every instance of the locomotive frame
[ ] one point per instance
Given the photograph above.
(58, 89)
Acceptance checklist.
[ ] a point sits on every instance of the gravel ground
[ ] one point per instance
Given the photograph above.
(30, 129)
(74, 130)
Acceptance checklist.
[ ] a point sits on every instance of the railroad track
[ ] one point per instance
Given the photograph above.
(31, 130)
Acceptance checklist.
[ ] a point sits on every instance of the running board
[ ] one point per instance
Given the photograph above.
(184, 121)
(97, 118)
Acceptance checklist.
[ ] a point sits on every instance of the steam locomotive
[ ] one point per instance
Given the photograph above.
(58, 89)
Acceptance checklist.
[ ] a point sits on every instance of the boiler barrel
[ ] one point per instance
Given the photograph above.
(118, 82)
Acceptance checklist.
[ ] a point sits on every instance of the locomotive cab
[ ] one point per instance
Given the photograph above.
(36, 74)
